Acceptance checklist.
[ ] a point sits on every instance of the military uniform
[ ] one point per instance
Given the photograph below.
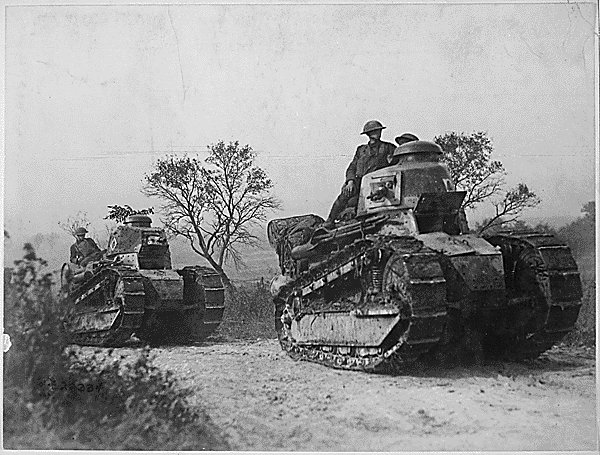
(83, 251)
(368, 158)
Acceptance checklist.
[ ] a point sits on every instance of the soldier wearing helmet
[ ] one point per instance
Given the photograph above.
(84, 249)
(406, 137)
(401, 140)
(369, 157)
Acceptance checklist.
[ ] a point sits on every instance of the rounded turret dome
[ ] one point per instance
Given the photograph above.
(139, 221)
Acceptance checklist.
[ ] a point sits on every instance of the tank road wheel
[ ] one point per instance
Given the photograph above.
(544, 296)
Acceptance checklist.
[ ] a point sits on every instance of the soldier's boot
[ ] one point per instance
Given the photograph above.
(328, 224)
(336, 209)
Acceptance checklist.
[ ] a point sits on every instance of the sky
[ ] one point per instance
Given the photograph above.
(95, 94)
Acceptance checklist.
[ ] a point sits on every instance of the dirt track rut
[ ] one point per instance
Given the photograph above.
(263, 400)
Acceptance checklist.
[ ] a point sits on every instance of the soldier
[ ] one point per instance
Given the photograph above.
(84, 249)
(401, 140)
(368, 157)
(406, 137)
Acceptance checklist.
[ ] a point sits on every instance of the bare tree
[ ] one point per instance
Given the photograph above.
(213, 204)
(469, 160)
(508, 209)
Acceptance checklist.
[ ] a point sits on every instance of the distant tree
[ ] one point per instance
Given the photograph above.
(469, 160)
(581, 233)
(589, 211)
(73, 222)
(213, 204)
(119, 213)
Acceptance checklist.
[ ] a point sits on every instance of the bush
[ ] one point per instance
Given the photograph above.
(585, 328)
(249, 313)
(61, 397)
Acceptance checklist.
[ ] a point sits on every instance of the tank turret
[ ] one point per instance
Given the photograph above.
(143, 221)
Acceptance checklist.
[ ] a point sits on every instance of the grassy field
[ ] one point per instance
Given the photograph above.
(249, 314)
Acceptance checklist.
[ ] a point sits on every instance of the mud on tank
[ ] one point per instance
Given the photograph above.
(404, 277)
(133, 289)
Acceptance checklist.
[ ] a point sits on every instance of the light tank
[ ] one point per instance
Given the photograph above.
(134, 289)
(404, 277)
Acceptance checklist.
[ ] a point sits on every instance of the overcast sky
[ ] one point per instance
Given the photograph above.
(95, 94)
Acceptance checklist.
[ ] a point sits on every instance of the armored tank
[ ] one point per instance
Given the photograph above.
(404, 277)
(134, 289)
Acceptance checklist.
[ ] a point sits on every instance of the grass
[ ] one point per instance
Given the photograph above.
(249, 314)
(58, 396)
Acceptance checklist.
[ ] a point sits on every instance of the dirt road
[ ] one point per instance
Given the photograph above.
(263, 400)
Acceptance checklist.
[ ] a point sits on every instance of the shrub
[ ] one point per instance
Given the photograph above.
(585, 328)
(59, 396)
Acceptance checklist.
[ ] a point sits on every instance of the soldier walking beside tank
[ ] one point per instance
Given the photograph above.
(368, 157)
(84, 249)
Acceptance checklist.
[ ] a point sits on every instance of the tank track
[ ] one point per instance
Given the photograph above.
(112, 290)
(423, 312)
(202, 312)
(213, 297)
(543, 283)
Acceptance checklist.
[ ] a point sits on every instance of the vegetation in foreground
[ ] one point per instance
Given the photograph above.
(61, 397)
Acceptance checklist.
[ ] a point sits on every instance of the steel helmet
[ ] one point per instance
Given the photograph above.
(372, 125)
(81, 231)
(406, 137)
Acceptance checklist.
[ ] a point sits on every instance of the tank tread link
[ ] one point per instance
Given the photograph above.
(209, 282)
(413, 295)
(544, 292)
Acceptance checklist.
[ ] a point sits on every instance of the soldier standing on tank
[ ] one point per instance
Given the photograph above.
(84, 249)
(368, 158)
